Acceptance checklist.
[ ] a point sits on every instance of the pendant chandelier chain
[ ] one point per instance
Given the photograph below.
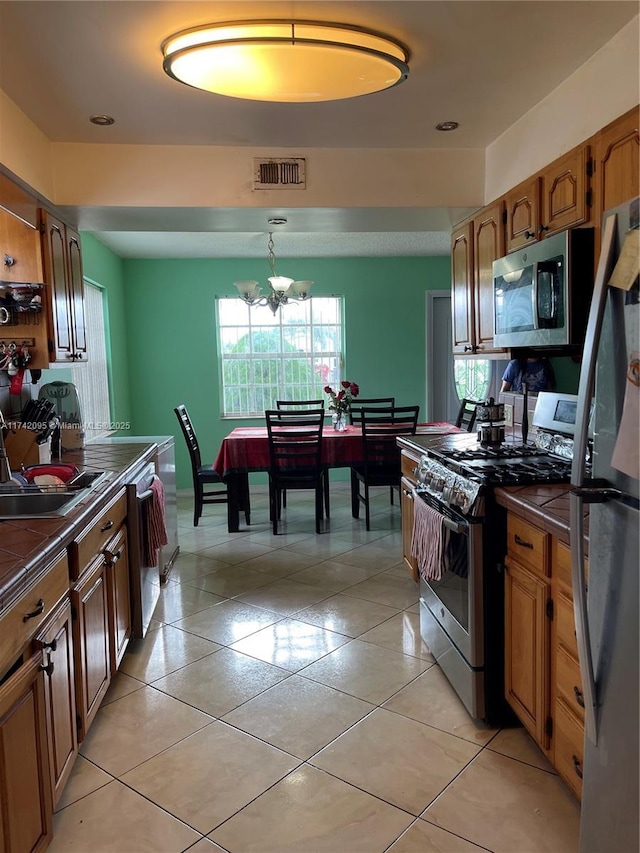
(271, 258)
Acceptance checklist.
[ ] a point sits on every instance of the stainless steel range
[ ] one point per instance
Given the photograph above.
(462, 591)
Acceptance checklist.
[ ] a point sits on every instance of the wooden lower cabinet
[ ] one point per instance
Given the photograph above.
(90, 601)
(527, 649)
(406, 505)
(116, 557)
(56, 641)
(542, 673)
(26, 811)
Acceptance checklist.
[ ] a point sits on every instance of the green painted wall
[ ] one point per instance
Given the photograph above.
(171, 341)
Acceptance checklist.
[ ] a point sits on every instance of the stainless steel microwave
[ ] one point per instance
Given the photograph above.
(541, 294)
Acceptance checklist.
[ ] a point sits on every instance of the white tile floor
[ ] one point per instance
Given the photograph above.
(283, 701)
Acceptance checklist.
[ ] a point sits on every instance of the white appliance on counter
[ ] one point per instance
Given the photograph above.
(165, 465)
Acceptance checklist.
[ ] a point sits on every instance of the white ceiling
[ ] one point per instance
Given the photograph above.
(479, 62)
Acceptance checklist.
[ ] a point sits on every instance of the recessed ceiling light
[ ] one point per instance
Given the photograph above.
(103, 121)
(447, 125)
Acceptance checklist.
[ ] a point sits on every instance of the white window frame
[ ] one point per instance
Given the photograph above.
(327, 364)
(91, 378)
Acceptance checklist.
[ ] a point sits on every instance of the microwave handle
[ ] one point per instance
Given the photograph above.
(534, 297)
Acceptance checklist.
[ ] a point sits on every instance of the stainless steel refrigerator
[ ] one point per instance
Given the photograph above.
(606, 613)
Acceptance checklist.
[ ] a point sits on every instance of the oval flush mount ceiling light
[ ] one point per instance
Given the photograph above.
(285, 61)
(447, 125)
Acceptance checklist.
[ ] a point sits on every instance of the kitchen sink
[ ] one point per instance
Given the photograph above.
(48, 501)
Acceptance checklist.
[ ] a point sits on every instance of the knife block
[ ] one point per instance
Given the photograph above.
(22, 449)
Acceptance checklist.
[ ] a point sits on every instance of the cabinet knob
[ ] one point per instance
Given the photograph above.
(9, 261)
(48, 668)
(468, 349)
(528, 235)
(577, 766)
(579, 696)
(107, 526)
(52, 646)
(543, 228)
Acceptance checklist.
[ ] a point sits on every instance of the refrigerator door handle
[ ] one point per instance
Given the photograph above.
(578, 581)
(578, 472)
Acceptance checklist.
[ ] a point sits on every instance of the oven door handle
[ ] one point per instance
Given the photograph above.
(456, 528)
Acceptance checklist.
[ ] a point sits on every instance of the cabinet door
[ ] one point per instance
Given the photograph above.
(76, 295)
(58, 303)
(406, 505)
(91, 642)
(56, 639)
(564, 192)
(527, 644)
(522, 214)
(488, 246)
(26, 812)
(117, 563)
(462, 288)
(20, 253)
(617, 153)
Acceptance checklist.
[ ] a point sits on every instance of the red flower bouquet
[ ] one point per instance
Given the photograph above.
(340, 401)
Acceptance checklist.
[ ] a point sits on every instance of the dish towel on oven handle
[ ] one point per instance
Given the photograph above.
(156, 522)
(427, 539)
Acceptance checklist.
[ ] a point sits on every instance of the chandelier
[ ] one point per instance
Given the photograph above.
(285, 61)
(281, 288)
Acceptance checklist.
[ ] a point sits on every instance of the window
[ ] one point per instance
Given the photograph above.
(91, 378)
(291, 355)
(472, 377)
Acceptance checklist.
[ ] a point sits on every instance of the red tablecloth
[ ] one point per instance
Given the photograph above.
(247, 448)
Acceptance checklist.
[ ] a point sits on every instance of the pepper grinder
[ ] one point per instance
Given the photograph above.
(525, 413)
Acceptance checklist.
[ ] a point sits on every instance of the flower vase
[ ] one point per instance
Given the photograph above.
(339, 421)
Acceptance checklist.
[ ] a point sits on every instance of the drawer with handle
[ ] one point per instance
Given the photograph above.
(409, 465)
(565, 624)
(569, 681)
(93, 539)
(528, 544)
(562, 564)
(22, 620)
(569, 747)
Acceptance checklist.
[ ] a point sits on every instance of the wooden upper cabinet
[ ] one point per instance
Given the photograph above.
(522, 203)
(565, 192)
(20, 254)
(617, 154)
(462, 288)
(63, 274)
(488, 246)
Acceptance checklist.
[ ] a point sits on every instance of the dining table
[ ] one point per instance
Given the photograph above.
(246, 450)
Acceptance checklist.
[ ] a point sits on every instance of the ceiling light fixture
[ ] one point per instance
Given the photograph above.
(447, 125)
(285, 61)
(102, 120)
(281, 288)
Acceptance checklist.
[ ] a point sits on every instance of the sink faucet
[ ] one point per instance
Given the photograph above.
(5, 471)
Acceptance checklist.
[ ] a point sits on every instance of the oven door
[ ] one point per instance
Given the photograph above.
(455, 600)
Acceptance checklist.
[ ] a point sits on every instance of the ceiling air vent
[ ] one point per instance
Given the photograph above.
(279, 173)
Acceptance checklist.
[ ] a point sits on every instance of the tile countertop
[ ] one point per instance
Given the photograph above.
(545, 505)
(28, 545)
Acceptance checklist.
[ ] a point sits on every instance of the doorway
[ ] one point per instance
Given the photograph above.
(442, 399)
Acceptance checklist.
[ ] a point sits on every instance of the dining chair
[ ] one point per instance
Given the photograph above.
(203, 475)
(297, 405)
(295, 458)
(381, 454)
(355, 416)
(369, 402)
(467, 414)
